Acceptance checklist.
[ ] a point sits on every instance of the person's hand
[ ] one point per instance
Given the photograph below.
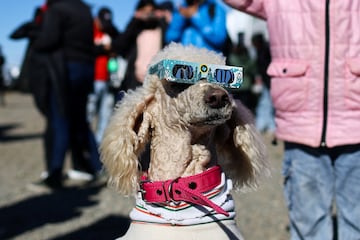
(189, 11)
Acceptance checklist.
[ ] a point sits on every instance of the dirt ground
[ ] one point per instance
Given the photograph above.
(89, 212)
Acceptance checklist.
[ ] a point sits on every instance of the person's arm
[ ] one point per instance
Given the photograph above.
(28, 29)
(23, 31)
(253, 7)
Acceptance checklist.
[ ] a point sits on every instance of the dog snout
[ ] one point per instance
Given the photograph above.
(216, 98)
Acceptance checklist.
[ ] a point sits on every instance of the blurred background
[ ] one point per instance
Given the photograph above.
(14, 13)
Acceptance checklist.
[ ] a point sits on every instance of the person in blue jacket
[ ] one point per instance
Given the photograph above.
(201, 23)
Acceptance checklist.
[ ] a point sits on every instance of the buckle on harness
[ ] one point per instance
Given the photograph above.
(170, 191)
(142, 191)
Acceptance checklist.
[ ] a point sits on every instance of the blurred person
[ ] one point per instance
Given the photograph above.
(264, 112)
(141, 40)
(239, 56)
(101, 100)
(66, 36)
(315, 78)
(2, 78)
(201, 23)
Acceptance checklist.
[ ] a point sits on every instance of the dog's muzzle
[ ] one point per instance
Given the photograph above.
(216, 98)
(188, 189)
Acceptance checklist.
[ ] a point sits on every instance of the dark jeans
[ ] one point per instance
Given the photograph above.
(72, 131)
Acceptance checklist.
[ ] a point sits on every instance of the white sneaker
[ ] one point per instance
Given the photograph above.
(79, 175)
(44, 175)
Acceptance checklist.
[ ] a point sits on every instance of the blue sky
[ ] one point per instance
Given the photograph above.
(15, 12)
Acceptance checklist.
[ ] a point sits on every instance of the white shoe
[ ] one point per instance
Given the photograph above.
(44, 175)
(79, 175)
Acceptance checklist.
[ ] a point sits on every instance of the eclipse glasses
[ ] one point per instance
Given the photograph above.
(191, 72)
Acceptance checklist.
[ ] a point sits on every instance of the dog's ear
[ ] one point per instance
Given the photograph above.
(125, 139)
(241, 149)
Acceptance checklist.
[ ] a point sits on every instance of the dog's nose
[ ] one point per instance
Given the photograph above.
(216, 98)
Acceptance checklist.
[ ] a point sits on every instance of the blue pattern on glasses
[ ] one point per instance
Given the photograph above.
(191, 72)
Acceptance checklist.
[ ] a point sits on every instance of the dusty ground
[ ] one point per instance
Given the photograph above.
(96, 212)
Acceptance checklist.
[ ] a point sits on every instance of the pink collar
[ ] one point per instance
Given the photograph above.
(188, 189)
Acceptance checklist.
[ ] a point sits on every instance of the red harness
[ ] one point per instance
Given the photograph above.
(188, 189)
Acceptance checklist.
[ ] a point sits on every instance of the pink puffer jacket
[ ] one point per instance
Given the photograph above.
(316, 95)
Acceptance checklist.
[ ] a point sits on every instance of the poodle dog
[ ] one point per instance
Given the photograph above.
(202, 145)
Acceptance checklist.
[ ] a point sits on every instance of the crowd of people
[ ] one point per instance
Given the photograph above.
(69, 70)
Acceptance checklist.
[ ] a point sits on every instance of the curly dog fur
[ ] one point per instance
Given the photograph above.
(187, 134)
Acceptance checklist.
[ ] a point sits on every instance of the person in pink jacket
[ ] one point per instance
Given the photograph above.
(315, 88)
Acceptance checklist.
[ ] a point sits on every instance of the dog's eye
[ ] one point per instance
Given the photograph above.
(179, 86)
(173, 89)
